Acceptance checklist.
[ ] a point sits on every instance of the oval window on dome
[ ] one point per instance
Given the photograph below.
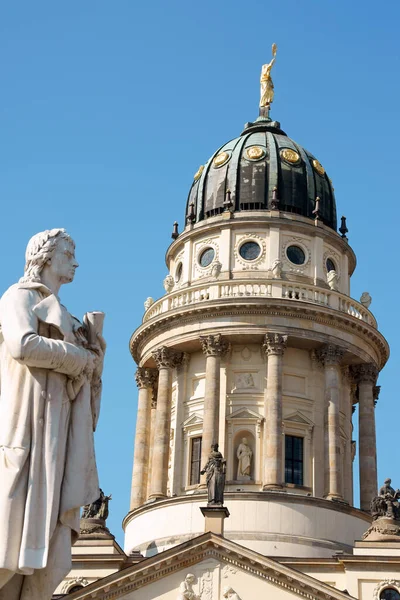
(296, 255)
(206, 257)
(330, 265)
(389, 594)
(178, 272)
(250, 251)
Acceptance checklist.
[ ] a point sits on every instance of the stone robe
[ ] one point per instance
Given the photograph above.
(47, 462)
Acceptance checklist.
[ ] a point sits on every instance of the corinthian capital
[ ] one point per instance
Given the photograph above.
(167, 358)
(146, 378)
(330, 354)
(214, 345)
(275, 343)
(365, 373)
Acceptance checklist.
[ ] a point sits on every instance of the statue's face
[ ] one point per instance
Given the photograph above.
(63, 262)
(244, 440)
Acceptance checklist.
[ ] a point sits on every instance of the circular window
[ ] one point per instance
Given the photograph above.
(330, 265)
(249, 251)
(296, 255)
(206, 257)
(389, 594)
(178, 272)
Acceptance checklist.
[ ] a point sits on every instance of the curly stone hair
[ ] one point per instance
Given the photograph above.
(39, 250)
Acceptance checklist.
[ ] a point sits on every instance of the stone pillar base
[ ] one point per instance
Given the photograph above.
(155, 497)
(214, 518)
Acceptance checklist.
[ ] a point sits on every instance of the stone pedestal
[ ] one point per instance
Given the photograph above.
(214, 518)
(383, 529)
(94, 529)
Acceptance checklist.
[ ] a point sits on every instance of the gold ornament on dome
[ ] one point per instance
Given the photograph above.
(255, 152)
(318, 167)
(221, 159)
(198, 173)
(267, 86)
(291, 156)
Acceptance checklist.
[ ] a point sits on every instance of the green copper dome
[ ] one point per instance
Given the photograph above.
(262, 169)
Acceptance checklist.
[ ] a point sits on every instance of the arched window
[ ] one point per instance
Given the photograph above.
(75, 588)
(389, 594)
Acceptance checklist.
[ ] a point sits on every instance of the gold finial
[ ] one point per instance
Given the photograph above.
(267, 86)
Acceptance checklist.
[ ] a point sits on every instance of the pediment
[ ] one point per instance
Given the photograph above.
(193, 420)
(298, 417)
(216, 563)
(244, 413)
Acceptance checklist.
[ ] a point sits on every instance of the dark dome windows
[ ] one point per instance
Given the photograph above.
(206, 257)
(250, 251)
(389, 594)
(296, 255)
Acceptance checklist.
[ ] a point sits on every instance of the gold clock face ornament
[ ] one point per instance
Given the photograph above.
(290, 156)
(255, 153)
(318, 167)
(221, 159)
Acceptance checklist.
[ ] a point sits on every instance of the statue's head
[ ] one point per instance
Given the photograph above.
(190, 578)
(214, 447)
(51, 249)
(244, 440)
(388, 481)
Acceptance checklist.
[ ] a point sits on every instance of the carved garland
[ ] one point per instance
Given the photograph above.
(386, 583)
(206, 271)
(254, 264)
(296, 241)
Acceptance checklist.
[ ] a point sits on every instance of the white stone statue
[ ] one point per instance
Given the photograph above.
(169, 283)
(230, 593)
(277, 269)
(186, 588)
(365, 299)
(216, 269)
(332, 279)
(50, 391)
(148, 302)
(244, 454)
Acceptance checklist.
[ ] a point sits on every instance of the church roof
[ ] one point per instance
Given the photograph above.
(261, 165)
(208, 546)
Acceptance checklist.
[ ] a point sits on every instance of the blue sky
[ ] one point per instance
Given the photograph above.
(108, 108)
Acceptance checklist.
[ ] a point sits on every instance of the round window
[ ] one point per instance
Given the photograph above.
(296, 255)
(389, 594)
(206, 257)
(249, 251)
(330, 265)
(178, 272)
(75, 588)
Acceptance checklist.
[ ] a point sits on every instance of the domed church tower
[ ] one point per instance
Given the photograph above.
(257, 345)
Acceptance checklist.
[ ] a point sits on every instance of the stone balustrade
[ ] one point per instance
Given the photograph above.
(232, 290)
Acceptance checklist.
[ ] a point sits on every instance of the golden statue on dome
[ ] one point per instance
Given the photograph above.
(267, 86)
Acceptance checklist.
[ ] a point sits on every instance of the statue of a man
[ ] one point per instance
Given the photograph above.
(186, 588)
(215, 476)
(244, 454)
(50, 391)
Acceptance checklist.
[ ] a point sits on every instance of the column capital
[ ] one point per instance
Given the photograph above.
(275, 343)
(365, 373)
(167, 358)
(214, 345)
(146, 378)
(330, 354)
(184, 362)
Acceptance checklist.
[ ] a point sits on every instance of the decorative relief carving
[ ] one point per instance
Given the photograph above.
(146, 378)
(167, 358)
(214, 345)
(275, 343)
(186, 588)
(244, 381)
(365, 373)
(228, 570)
(330, 354)
(246, 353)
(72, 582)
(386, 583)
(230, 593)
(254, 264)
(206, 585)
(296, 241)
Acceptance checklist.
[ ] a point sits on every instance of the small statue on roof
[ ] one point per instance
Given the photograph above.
(267, 86)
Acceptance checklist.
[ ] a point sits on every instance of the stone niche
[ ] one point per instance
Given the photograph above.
(243, 423)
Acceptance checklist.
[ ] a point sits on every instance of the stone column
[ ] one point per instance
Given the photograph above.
(274, 345)
(145, 379)
(214, 346)
(182, 373)
(166, 359)
(366, 375)
(331, 356)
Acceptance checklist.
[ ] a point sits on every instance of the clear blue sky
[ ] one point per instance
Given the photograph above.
(108, 108)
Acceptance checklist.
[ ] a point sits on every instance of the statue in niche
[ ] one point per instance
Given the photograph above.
(186, 588)
(51, 367)
(230, 593)
(98, 509)
(215, 470)
(244, 454)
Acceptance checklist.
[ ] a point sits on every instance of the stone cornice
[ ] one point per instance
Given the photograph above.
(271, 307)
(275, 343)
(214, 345)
